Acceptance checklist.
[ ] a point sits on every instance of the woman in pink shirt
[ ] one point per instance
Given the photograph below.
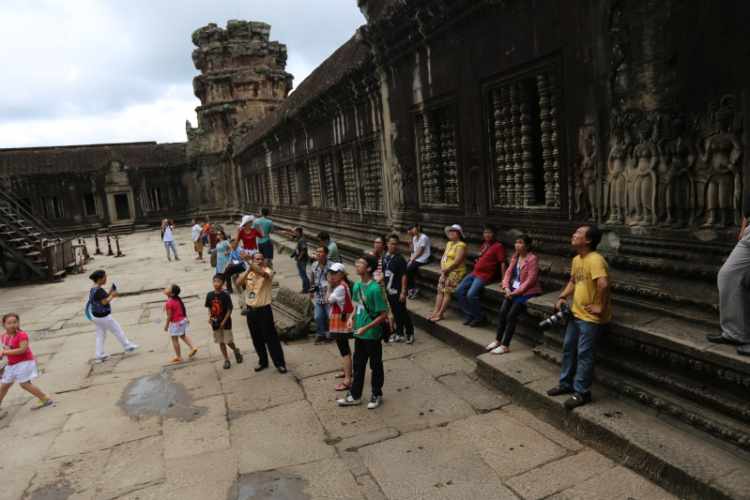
(21, 366)
(177, 322)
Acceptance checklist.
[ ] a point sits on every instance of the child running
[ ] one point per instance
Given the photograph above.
(21, 366)
(177, 322)
(219, 304)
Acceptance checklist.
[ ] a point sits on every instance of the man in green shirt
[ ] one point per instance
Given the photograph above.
(333, 249)
(265, 245)
(370, 311)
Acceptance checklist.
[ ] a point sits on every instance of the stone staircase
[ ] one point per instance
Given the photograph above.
(30, 249)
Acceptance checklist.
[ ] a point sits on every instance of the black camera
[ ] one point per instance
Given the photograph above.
(559, 318)
(313, 289)
(215, 323)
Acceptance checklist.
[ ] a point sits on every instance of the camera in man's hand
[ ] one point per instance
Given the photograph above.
(215, 324)
(314, 289)
(559, 318)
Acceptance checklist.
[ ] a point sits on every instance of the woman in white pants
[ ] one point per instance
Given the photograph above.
(101, 313)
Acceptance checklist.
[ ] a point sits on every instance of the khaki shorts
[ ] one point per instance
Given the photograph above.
(198, 246)
(223, 336)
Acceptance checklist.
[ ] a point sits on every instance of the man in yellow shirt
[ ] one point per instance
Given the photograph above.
(257, 282)
(592, 310)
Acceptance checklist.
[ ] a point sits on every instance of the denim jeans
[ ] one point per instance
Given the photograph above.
(302, 270)
(321, 320)
(506, 321)
(411, 271)
(167, 246)
(467, 295)
(579, 355)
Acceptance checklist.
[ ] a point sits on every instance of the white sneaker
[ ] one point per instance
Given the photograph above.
(397, 338)
(102, 359)
(410, 339)
(132, 348)
(375, 401)
(349, 401)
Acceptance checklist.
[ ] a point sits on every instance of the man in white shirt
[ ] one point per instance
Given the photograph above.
(197, 230)
(168, 238)
(420, 255)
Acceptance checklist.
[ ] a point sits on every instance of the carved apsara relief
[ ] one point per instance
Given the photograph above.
(668, 169)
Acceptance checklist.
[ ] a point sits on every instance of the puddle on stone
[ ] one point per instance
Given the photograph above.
(159, 395)
(60, 491)
(268, 485)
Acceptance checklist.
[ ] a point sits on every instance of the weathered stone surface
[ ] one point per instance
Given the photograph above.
(209, 432)
(133, 465)
(473, 392)
(613, 484)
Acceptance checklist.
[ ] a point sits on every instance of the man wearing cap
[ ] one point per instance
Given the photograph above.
(257, 281)
(197, 229)
(491, 260)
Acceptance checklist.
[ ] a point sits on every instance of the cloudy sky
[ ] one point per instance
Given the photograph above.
(104, 71)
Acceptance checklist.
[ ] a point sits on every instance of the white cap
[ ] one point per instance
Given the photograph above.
(454, 227)
(338, 267)
(246, 219)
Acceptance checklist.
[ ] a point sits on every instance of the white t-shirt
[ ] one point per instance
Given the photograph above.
(338, 296)
(423, 241)
(197, 230)
(167, 236)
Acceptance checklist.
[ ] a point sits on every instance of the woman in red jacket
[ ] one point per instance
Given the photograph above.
(521, 282)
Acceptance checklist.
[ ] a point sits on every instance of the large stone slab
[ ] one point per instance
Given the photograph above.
(617, 483)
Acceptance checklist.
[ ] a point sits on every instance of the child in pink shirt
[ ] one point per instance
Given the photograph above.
(177, 322)
(21, 366)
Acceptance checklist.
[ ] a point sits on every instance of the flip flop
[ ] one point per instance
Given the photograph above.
(340, 374)
(176, 360)
(192, 352)
(342, 387)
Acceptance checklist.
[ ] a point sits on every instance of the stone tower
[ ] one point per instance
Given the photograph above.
(242, 78)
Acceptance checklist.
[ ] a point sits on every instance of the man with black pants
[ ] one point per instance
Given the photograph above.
(394, 273)
(257, 281)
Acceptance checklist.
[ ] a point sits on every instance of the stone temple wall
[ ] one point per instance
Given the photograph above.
(535, 116)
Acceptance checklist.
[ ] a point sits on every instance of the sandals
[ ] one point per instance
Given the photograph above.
(340, 374)
(192, 352)
(493, 345)
(176, 360)
(343, 386)
(501, 349)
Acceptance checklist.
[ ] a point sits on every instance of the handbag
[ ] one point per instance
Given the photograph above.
(385, 326)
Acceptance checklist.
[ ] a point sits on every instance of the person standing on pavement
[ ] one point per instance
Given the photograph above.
(101, 312)
(257, 282)
(318, 288)
(420, 255)
(491, 260)
(197, 244)
(369, 313)
(734, 293)
(265, 245)
(340, 301)
(219, 305)
(394, 272)
(167, 237)
(592, 310)
(333, 249)
(301, 257)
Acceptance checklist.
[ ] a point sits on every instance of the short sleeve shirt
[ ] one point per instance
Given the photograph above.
(373, 297)
(394, 268)
(14, 342)
(451, 250)
(491, 256)
(423, 241)
(333, 252)
(320, 278)
(219, 305)
(197, 230)
(176, 308)
(267, 226)
(586, 271)
(249, 240)
(302, 247)
(258, 289)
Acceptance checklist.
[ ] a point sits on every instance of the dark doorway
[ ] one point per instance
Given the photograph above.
(122, 206)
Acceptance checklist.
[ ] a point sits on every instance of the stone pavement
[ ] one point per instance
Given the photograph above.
(138, 427)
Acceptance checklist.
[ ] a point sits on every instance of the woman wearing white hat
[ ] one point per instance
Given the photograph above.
(248, 232)
(453, 270)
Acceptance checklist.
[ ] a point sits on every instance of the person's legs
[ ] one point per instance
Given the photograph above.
(587, 341)
(223, 348)
(114, 327)
(734, 294)
(101, 333)
(570, 354)
(411, 273)
(515, 309)
(4, 388)
(502, 319)
(472, 299)
(359, 365)
(438, 304)
(321, 318)
(302, 270)
(446, 300)
(375, 353)
(461, 295)
(256, 334)
(36, 391)
(166, 247)
(187, 340)
(271, 336)
(346, 359)
(174, 250)
(176, 346)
